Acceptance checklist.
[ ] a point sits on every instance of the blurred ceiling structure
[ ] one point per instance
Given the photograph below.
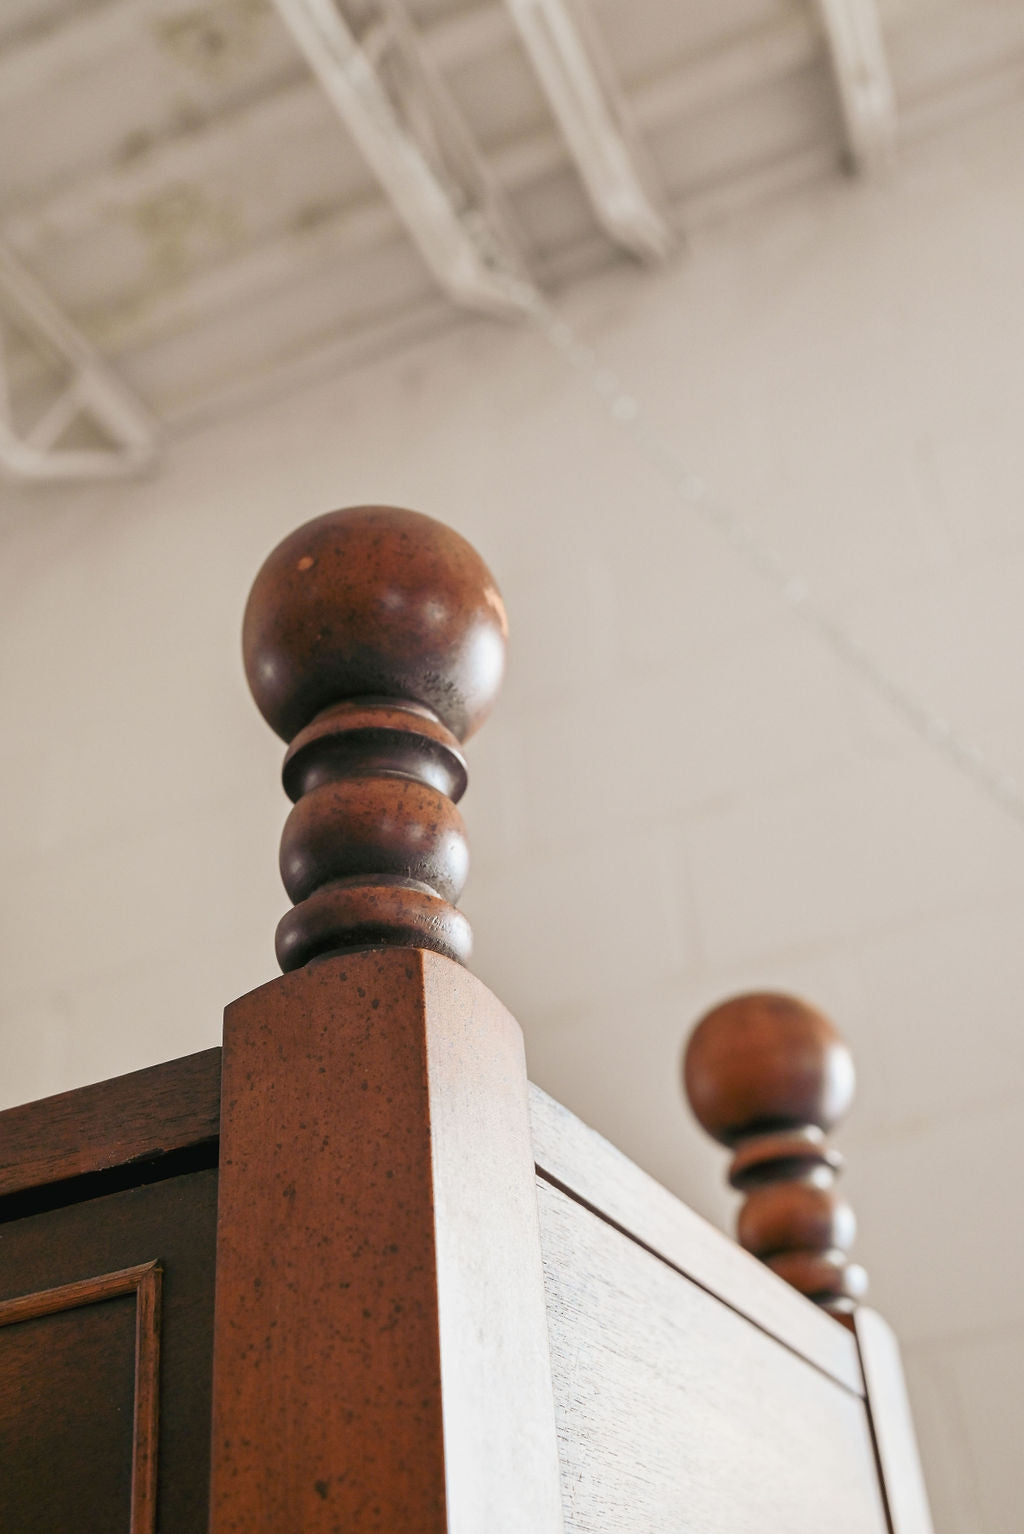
(202, 200)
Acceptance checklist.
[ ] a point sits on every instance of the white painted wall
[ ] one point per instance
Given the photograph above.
(681, 794)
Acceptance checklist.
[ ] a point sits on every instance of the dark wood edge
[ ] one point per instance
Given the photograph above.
(144, 1281)
(593, 1172)
(86, 1291)
(134, 1118)
(145, 1439)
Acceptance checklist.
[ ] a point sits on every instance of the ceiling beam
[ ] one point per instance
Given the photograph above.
(143, 315)
(86, 389)
(77, 208)
(591, 111)
(381, 83)
(853, 29)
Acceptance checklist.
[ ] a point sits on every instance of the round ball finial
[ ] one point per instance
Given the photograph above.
(770, 1076)
(374, 602)
(374, 643)
(764, 1062)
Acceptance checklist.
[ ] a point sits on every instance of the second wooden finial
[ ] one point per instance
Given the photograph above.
(374, 642)
(770, 1077)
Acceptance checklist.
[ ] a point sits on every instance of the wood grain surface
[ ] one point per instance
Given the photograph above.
(381, 1353)
(677, 1414)
(501, 1453)
(80, 1371)
(570, 1154)
(143, 1283)
(67, 1420)
(132, 1118)
(893, 1427)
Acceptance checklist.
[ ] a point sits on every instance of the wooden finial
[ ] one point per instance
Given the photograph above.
(374, 642)
(770, 1076)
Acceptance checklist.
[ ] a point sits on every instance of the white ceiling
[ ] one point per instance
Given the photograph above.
(177, 180)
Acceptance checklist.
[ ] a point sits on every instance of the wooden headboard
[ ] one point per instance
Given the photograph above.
(352, 1271)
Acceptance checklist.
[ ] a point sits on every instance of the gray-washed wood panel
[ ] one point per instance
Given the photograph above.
(578, 1159)
(676, 1414)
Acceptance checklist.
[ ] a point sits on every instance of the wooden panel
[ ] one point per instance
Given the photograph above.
(66, 1385)
(381, 1351)
(67, 1399)
(675, 1413)
(60, 1252)
(574, 1157)
(893, 1426)
(131, 1118)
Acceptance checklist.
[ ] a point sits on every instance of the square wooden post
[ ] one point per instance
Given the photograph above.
(381, 1359)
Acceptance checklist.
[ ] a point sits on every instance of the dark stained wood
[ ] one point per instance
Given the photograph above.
(145, 1443)
(576, 1158)
(87, 1291)
(66, 1420)
(133, 1118)
(79, 1382)
(327, 1363)
(381, 1358)
(770, 1076)
(764, 1060)
(392, 825)
(374, 602)
(143, 1282)
(381, 1355)
(895, 1442)
(374, 641)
